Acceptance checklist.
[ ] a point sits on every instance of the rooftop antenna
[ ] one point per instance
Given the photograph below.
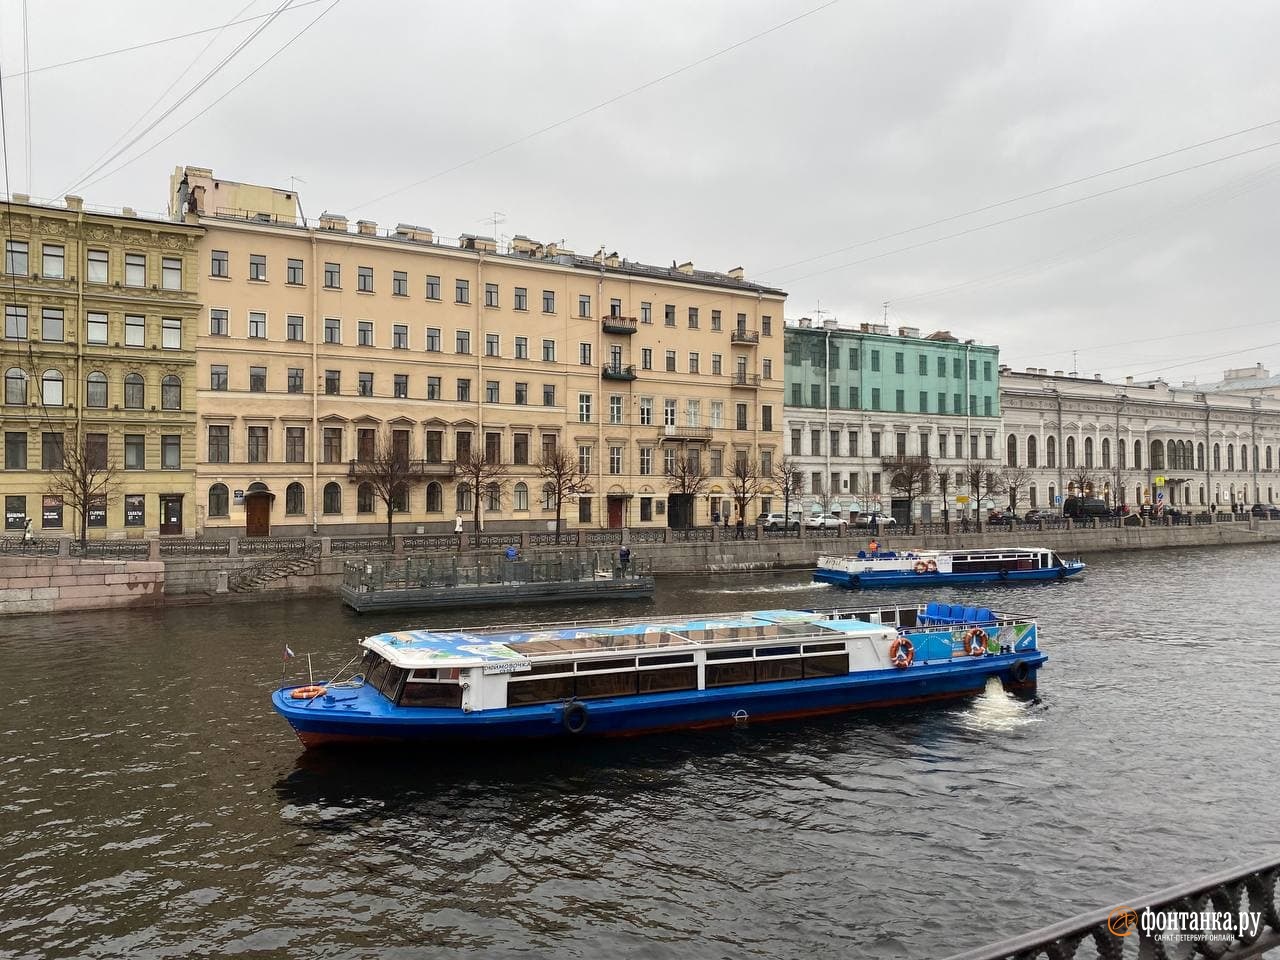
(293, 188)
(494, 219)
(886, 311)
(1075, 356)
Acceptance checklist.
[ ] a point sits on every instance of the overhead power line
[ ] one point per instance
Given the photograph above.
(26, 62)
(599, 106)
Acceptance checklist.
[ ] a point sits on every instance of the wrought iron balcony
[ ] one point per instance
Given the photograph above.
(751, 380)
(616, 371)
(622, 325)
(744, 336)
(410, 469)
(672, 431)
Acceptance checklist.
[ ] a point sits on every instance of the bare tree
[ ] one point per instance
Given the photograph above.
(911, 478)
(484, 476)
(562, 478)
(744, 483)
(786, 472)
(984, 482)
(389, 471)
(823, 495)
(1015, 480)
(88, 474)
(1082, 479)
(687, 479)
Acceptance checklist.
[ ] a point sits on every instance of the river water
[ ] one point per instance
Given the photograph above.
(152, 805)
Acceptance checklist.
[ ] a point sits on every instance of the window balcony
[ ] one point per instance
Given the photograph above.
(620, 325)
(749, 380)
(412, 469)
(749, 337)
(616, 371)
(672, 431)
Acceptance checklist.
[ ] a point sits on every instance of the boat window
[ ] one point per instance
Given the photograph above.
(678, 678)
(836, 665)
(606, 685)
(728, 654)
(668, 658)
(390, 682)
(778, 652)
(824, 648)
(441, 673)
(541, 668)
(373, 676)
(547, 690)
(588, 665)
(417, 694)
(729, 674)
(769, 670)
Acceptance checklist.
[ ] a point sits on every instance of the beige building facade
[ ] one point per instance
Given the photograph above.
(320, 342)
(99, 352)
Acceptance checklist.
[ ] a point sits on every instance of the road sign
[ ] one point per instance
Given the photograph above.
(962, 499)
(1057, 501)
(1159, 481)
(1159, 495)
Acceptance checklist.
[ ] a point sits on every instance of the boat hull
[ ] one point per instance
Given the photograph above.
(907, 578)
(329, 721)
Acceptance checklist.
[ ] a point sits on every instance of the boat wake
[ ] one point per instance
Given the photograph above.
(767, 588)
(996, 709)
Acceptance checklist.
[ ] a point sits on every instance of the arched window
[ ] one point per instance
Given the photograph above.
(259, 487)
(15, 386)
(1088, 452)
(1137, 458)
(1051, 452)
(1202, 489)
(332, 498)
(1106, 453)
(135, 392)
(1031, 452)
(1157, 455)
(400, 498)
(548, 496)
(493, 498)
(51, 388)
(1031, 497)
(1244, 457)
(1200, 464)
(1217, 456)
(171, 393)
(1268, 458)
(1053, 493)
(1011, 451)
(1231, 457)
(464, 496)
(218, 500)
(96, 389)
(520, 496)
(1071, 452)
(364, 498)
(435, 498)
(295, 500)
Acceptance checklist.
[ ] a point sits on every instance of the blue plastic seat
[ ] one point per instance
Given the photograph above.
(970, 614)
(862, 554)
(931, 613)
(985, 615)
(956, 613)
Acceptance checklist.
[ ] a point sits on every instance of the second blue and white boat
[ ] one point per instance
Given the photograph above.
(924, 568)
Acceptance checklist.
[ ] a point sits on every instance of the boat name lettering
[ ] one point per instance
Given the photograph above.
(509, 666)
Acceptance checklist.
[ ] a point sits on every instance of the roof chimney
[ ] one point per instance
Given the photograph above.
(73, 202)
(686, 268)
(737, 273)
(333, 221)
(1098, 377)
(367, 228)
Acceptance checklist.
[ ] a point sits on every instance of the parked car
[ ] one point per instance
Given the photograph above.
(778, 521)
(1085, 508)
(1035, 516)
(999, 518)
(1266, 511)
(864, 520)
(824, 521)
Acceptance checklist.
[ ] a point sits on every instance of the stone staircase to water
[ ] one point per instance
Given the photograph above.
(257, 576)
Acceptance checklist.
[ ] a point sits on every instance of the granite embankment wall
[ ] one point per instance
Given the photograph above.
(53, 584)
(42, 584)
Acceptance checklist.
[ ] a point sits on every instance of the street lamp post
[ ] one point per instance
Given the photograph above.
(1255, 404)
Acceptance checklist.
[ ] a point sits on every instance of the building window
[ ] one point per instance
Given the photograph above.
(669, 314)
(333, 276)
(170, 452)
(364, 333)
(257, 266)
(646, 358)
(400, 388)
(97, 266)
(364, 279)
(492, 345)
(741, 417)
(584, 408)
(332, 330)
(293, 272)
(332, 383)
(464, 390)
(257, 379)
(520, 449)
(522, 298)
(217, 377)
(170, 272)
(520, 498)
(219, 502)
(15, 258)
(584, 509)
(646, 312)
(548, 394)
(584, 354)
(171, 393)
(135, 392)
(433, 339)
(693, 318)
(548, 301)
(399, 284)
(491, 295)
(615, 460)
(462, 341)
(766, 370)
(491, 391)
(332, 498)
(295, 500)
(295, 444)
(766, 326)
(294, 328)
(671, 361)
(15, 322)
(135, 331)
(364, 498)
(522, 394)
(51, 326)
(584, 458)
(135, 451)
(433, 388)
(549, 351)
(295, 380)
(51, 388)
(53, 261)
(646, 461)
(217, 322)
(365, 383)
(257, 325)
(522, 348)
(435, 498)
(615, 409)
(219, 264)
(584, 306)
(693, 362)
(95, 391)
(433, 288)
(462, 291)
(332, 445)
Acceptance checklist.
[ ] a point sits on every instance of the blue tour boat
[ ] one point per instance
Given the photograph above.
(924, 568)
(620, 677)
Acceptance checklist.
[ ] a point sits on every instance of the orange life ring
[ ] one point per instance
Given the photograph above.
(902, 653)
(921, 566)
(975, 642)
(308, 693)
(933, 566)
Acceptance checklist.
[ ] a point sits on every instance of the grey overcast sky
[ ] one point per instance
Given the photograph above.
(785, 154)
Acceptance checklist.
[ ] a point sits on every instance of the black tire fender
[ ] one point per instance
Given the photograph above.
(575, 717)
(1019, 672)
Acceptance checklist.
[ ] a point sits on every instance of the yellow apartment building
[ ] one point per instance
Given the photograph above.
(98, 351)
(320, 342)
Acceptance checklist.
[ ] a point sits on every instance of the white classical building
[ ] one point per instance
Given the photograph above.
(1139, 442)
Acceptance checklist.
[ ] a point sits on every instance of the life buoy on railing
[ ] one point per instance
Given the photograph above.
(920, 566)
(975, 642)
(308, 693)
(901, 653)
(932, 566)
(575, 717)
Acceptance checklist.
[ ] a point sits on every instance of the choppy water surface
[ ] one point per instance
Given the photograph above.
(152, 805)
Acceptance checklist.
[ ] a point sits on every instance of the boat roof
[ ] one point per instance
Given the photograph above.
(422, 649)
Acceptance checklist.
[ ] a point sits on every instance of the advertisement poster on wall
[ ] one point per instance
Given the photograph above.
(51, 512)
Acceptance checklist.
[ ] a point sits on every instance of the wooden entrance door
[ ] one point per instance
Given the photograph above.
(257, 515)
(616, 505)
(171, 513)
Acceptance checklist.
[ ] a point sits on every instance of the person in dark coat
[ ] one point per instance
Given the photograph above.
(740, 524)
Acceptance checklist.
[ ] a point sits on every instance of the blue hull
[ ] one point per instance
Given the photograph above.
(363, 716)
(907, 578)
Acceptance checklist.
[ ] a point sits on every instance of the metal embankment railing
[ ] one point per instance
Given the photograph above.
(418, 572)
(1230, 915)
